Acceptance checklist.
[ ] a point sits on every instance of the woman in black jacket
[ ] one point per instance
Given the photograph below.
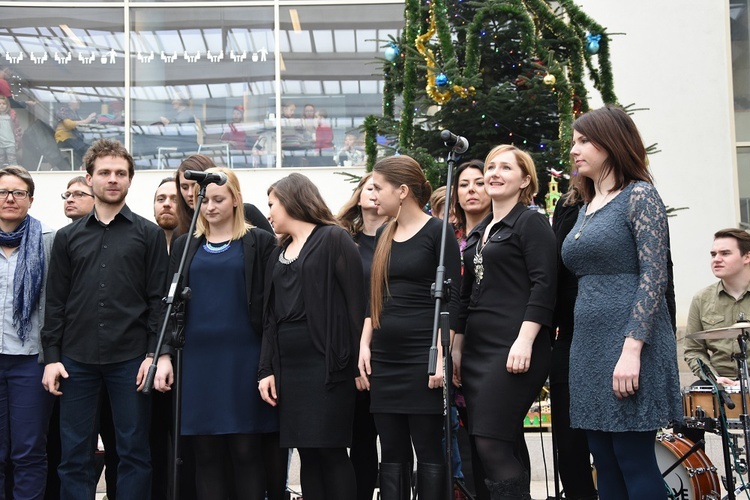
(313, 316)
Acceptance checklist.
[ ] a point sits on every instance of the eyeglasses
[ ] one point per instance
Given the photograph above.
(18, 194)
(77, 195)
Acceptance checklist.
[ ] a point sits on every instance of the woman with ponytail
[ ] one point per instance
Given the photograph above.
(394, 349)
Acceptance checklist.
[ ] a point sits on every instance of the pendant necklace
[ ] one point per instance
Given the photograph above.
(588, 218)
(218, 247)
(479, 260)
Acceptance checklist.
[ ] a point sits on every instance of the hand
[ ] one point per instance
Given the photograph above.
(727, 382)
(362, 384)
(51, 377)
(267, 388)
(519, 356)
(456, 355)
(436, 381)
(164, 120)
(365, 370)
(90, 118)
(164, 374)
(140, 379)
(626, 374)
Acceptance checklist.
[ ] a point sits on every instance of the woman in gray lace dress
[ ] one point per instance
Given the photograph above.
(624, 382)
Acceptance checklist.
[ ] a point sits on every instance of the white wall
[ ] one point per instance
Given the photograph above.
(674, 60)
(48, 206)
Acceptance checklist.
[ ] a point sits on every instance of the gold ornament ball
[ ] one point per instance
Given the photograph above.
(550, 79)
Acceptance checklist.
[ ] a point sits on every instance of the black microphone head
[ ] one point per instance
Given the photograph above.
(445, 135)
(222, 178)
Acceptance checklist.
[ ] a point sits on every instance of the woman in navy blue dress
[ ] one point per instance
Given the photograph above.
(223, 415)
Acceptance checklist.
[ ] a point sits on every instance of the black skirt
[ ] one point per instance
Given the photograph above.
(311, 413)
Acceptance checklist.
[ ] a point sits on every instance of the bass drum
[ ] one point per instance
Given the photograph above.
(695, 478)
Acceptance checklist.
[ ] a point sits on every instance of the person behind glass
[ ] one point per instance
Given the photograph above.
(313, 310)
(106, 280)
(236, 137)
(623, 359)
(10, 134)
(349, 155)
(501, 353)
(78, 198)
(180, 112)
(360, 217)
(185, 211)
(406, 403)
(222, 413)
(574, 458)
(67, 134)
(26, 245)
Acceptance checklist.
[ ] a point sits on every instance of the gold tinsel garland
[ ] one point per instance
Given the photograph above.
(433, 90)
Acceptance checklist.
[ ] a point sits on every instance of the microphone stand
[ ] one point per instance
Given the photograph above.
(177, 295)
(441, 292)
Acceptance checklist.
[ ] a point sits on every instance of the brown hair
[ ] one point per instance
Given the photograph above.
(742, 237)
(437, 201)
(526, 163)
(612, 130)
(22, 174)
(302, 201)
(458, 211)
(102, 148)
(199, 163)
(396, 170)
(79, 179)
(239, 226)
(350, 215)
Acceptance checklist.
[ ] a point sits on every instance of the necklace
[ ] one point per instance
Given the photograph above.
(284, 260)
(217, 248)
(588, 218)
(479, 260)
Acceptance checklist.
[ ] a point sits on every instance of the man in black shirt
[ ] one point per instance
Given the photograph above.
(107, 277)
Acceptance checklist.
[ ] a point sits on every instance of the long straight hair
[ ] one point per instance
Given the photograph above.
(396, 170)
(611, 129)
(239, 226)
(302, 201)
(350, 215)
(200, 163)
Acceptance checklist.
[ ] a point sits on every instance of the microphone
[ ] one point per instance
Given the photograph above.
(708, 376)
(218, 178)
(455, 142)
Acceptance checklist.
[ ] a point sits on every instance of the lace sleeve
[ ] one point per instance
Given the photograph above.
(648, 223)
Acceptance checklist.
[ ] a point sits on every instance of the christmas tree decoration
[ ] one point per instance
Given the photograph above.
(391, 52)
(592, 44)
(499, 72)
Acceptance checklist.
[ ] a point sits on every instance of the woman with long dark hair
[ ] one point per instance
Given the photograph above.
(507, 300)
(394, 351)
(623, 357)
(314, 309)
(359, 216)
(224, 418)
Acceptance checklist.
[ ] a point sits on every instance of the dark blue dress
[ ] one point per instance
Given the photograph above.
(220, 358)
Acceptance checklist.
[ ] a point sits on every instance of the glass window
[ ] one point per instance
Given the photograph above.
(201, 81)
(64, 70)
(743, 171)
(739, 23)
(329, 79)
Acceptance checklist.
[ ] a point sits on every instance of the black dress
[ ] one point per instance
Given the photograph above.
(518, 285)
(400, 347)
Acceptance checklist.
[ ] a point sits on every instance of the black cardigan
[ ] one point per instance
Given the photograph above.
(257, 246)
(333, 292)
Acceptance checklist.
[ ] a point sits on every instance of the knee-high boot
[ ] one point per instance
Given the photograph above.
(395, 482)
(515, 488)
(431, 482)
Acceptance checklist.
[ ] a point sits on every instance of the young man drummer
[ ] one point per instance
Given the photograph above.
(720, 305)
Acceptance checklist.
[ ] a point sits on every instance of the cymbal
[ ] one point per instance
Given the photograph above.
(728, 332)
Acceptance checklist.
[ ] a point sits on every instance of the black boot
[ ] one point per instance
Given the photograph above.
(395, 482)
(515, 488)
(431, 482)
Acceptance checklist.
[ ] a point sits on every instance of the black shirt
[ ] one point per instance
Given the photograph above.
(104, 290)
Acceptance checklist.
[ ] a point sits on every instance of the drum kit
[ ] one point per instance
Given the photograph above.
(716, 409)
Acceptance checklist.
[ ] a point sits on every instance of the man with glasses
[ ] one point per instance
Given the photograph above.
(103, 312)
(79, 198)
(24, 261)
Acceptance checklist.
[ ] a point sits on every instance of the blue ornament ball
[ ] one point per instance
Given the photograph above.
(441, 80)
(592, 47)
(391, 53)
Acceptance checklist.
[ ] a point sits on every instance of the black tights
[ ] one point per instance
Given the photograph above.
(501, 459)
(326, 474)
(397, 433)
(258, 464)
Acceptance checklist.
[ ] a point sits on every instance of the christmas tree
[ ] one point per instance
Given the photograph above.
(495, 72)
